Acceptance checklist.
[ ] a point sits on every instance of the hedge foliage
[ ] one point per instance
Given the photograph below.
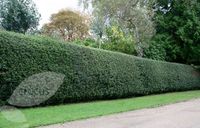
(90, 74)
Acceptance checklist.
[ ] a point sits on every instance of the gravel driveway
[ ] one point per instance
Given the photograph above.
(180, 115)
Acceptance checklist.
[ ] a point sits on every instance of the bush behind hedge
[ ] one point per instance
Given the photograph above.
(90, 74)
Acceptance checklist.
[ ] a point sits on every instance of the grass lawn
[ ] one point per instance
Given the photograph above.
(58, 114)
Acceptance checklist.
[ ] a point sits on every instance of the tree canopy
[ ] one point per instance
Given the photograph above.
(134, 16)
(179, 22)
(68, 25)
(18, 15)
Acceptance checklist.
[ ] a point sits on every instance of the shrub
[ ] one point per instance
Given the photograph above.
(118, 41)
(89, 42)
(90, 74)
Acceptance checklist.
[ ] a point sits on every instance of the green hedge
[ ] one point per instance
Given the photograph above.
(90, 74)
(1, 103)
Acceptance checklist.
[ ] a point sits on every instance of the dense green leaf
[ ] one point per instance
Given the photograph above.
(18, 15)
(90, 74)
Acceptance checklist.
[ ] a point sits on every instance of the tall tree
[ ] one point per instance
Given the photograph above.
(134, 16)
(98, 29)
(179, 21)
(67, 24)
(18, 15)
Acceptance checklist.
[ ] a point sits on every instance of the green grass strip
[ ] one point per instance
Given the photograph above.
(63, 113)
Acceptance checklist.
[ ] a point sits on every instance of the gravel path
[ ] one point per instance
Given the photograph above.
(180, 115)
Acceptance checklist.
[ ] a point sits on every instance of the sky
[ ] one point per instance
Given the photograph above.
(48, 7)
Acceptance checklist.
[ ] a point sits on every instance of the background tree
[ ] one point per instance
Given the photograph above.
(18, 15)
(134, 16)
(98, 29)
(68, 25)
(178, 29)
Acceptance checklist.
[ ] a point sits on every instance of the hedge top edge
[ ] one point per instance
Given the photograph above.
(40, 39)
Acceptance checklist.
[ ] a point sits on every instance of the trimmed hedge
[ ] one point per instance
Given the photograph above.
(90, 74)
(1, 103)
